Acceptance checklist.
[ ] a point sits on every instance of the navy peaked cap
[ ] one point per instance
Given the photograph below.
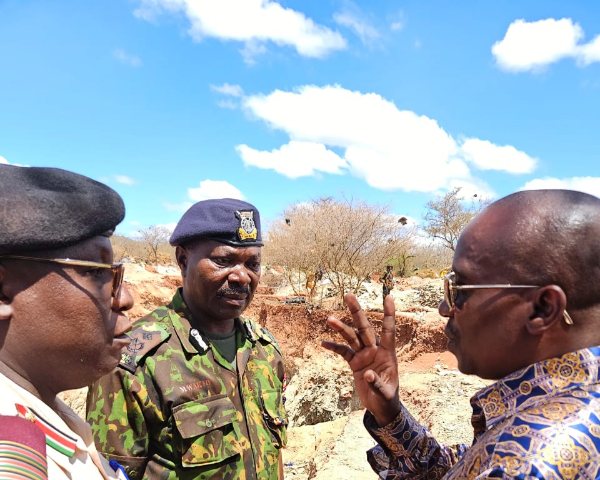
(226, 220)
(49, 208)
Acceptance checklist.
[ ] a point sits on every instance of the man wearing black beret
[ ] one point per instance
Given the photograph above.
(199, 392)
(62, 322)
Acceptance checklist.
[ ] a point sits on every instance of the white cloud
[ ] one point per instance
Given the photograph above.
(295, 159)
(251, 50)
(487, 156)
(226, 89)
(590, 52)
(208, 189)
(178, 207)
(125, 180)
(397, 21)
(589, 185)
(4, 161)
(228, 104)
(530, 46)
(387, 147)
(169, 226)
(356, 21)
(252, 22)
(471, 188)
(125, 58)
(214, 189)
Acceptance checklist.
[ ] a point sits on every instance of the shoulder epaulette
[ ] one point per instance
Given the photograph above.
(148, 333)
(264, 334)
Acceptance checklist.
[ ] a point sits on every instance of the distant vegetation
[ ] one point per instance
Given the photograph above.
(342, 240)
(448, 215)
(140, 251)
(345, 241)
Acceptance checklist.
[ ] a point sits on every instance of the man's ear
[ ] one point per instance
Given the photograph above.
(6, 305)
(181, 254)
(549, 305)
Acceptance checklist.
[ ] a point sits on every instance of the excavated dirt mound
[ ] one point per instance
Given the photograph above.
(320, 392)
(297, 328)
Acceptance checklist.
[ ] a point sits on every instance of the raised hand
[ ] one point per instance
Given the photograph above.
(373, 363)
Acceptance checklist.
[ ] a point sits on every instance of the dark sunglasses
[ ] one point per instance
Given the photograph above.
(118, 269)
(451, 291)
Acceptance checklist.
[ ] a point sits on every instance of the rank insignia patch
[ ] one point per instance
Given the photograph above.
(247, 229)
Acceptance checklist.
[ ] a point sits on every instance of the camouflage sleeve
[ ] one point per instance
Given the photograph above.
(115, 411)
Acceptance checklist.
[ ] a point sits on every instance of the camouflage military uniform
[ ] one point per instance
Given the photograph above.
(388, 283)
(176, 409)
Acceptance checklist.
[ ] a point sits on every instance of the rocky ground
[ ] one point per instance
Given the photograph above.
(326, 438)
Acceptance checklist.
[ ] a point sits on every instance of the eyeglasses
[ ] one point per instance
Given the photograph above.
(118, 269)
(451, 291)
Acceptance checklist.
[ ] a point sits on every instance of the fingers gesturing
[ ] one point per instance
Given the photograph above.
(363, 334)
(372, 361)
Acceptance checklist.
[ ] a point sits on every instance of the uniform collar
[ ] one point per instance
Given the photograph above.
(181, 321)
(183, 328)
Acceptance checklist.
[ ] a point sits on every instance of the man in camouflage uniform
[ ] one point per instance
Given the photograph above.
(388, 281)
(199, 392)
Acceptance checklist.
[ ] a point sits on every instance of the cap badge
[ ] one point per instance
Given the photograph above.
(247, 229)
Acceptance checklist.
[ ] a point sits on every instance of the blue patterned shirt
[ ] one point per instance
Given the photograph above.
(540, 422)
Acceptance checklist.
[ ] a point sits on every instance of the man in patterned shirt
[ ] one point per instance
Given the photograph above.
(199, 391)
(518, 267)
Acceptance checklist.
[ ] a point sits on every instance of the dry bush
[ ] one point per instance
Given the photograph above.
(448, 215)
(138, 250)
(346, 240)
(427, 273)
(270, 279)
(153, 237)
(433, 257)
(125, 247)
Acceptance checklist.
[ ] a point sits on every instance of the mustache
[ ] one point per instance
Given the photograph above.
(233, 291)
(451, 333)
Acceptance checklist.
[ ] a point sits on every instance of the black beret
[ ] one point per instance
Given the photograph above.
(226, 220)
(49, 208)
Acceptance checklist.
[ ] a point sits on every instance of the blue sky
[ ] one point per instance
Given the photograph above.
(173, 101)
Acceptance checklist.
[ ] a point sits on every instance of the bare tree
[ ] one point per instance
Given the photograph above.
(154, 236)
(447, 216)
(402, 263)
(434, 257)
(348, 240)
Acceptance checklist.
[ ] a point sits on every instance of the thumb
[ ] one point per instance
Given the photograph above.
(370, 376)
(377, 385)
(386, 405)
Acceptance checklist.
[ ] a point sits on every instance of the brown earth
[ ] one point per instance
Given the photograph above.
(326, 438)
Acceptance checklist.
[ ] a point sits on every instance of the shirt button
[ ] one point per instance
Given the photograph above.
(209, 423)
